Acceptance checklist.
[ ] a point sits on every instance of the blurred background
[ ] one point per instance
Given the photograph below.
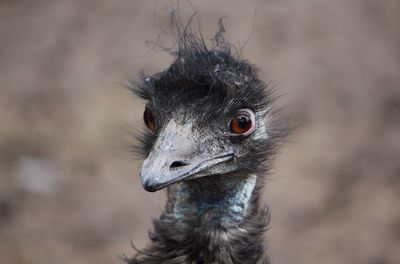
(68, 194)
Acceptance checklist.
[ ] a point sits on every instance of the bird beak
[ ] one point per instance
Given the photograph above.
(178, 155)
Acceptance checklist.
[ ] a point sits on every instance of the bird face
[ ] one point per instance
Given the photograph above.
(185, 148)
(205, 116)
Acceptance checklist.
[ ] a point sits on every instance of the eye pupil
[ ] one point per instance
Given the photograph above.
(243, 122)
(148, 119)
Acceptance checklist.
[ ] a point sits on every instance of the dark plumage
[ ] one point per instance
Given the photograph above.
(196, 112)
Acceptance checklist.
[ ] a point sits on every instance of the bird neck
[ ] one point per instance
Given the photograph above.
(214, 219)
(220, 198)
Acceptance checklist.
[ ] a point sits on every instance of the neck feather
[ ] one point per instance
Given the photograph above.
(225, 197)
(214, 219)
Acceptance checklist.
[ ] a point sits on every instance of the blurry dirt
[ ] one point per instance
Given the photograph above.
(69, 194)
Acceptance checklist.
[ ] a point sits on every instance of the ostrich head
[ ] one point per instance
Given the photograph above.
(207, 114)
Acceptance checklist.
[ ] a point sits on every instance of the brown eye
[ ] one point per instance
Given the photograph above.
(148, 119)
(243, 123)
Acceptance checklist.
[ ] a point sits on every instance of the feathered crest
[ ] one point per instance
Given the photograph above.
(206, 76)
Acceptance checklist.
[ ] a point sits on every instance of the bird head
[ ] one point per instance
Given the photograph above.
(207, 114)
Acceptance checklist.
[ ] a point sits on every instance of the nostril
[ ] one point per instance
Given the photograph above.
(177, 164)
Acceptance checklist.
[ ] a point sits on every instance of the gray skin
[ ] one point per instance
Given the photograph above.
(181, 153)
(187, 150)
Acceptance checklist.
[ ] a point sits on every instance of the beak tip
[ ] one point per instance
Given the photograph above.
(148, 184)
(149, 187)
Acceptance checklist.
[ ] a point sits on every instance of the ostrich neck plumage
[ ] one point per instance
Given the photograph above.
(226, 196)
(214, 219)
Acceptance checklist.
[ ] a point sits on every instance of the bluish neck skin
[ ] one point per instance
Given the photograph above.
(223, 198)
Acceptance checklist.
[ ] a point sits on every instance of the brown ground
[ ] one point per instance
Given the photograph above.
(68, 196)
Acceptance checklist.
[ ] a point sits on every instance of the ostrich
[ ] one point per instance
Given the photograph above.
(212, 129)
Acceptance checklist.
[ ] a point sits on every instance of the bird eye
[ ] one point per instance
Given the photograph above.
(148, 119)
(243, 124)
